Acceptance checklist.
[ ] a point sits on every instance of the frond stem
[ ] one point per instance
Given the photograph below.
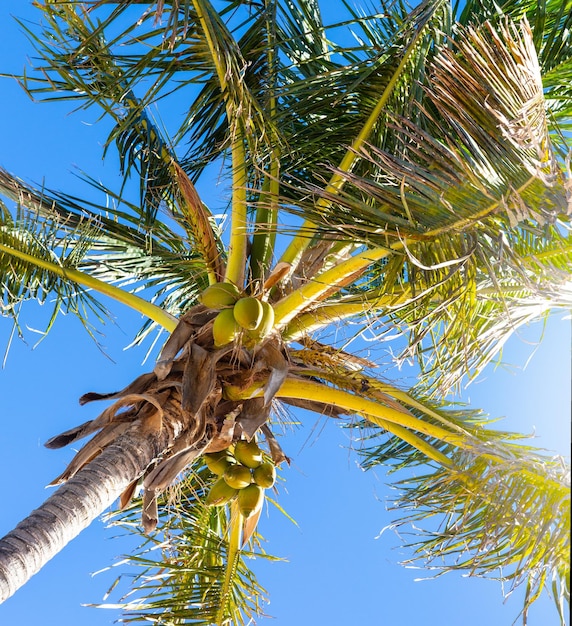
(329, 313)
(164, 319)
(238, 244)
(238, 228)
(371, 410)
(324, 284)
(232, 557)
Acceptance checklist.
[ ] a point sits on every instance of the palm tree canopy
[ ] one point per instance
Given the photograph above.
(438, 207)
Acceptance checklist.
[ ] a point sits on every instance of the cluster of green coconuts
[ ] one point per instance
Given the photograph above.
(237, 314)
(243, 474)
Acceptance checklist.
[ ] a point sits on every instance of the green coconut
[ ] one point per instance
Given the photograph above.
(248, 453)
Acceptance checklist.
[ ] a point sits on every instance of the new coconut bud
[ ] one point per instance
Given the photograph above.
(219, 296)
(225, 328)
(248, 313)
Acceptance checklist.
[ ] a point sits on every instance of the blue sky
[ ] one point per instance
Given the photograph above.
(339, 571)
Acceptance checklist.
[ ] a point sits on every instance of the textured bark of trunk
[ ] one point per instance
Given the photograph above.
(39, 537)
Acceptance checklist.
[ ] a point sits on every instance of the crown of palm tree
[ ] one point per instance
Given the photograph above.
(422, 166)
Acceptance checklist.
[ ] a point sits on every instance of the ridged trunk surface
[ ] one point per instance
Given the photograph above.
(39, 537)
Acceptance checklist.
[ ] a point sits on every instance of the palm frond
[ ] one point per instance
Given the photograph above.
(335, 94)
(481, 149)
(509, 522)
(490, 505)
(81, 63)
(184, 565)
(450, 213)
(23, 280)
(107, 246)
(505, 520)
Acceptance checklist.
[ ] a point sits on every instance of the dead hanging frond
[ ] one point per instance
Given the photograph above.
(498, 66)
(199, 220)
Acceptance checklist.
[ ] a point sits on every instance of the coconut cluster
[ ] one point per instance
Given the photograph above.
(243, 473)
(249, 314)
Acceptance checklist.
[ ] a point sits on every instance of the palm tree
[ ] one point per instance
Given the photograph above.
(422, 168)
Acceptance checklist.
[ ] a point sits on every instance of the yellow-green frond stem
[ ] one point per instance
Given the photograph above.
(374, 411)
(369, 409)
(233, 554)
(324, 284)
(238, 235)
(264, 237)
(206, 25)
(153, 312)
(412, 439)
(297, 246)
(326, 314)
(353, 382)
(238, 245)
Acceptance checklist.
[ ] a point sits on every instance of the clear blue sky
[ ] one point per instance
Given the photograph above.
(338, 572)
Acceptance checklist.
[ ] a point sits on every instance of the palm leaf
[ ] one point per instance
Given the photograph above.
(22, 280)
(366, 90)
(188, 573)
(434, 180)
(480, 510)
(442, 209)
(82, 64)
(506, 522)
(110, 250)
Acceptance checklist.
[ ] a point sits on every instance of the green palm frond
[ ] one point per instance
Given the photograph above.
(183, 60)
(22, 280)
(481, 290)
(343, 90)
(80, 63)
(489, 504)
(494, 309)
(508, 521)
(107, 247)
(486, 533)
(116, 216)
(185, 565)
(483, 150)
(450, 212)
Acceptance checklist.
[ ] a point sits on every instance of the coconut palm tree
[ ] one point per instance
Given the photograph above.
(412, 177)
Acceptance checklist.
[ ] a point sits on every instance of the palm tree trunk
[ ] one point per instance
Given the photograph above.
(39, 537)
